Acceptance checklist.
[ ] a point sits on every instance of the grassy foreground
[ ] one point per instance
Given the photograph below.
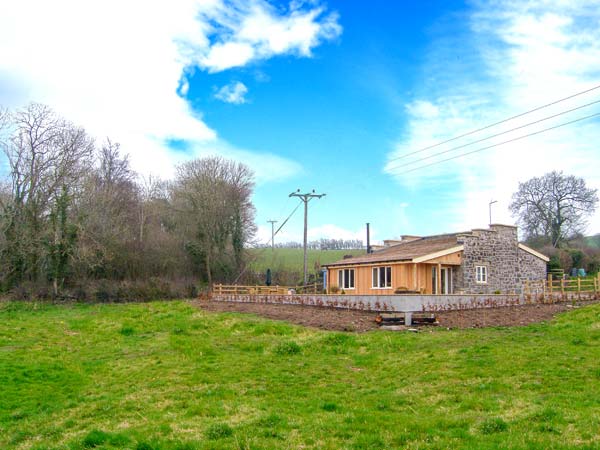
(166, 375)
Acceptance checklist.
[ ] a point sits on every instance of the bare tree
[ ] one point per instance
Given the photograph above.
(47, 157)
(71, 212)
(108, 209)
(553, 206)
(153, 196)
(212, 198)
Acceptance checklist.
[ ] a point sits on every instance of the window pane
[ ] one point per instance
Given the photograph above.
(340, 278)
(351, 278)
(388, 277)
(374, 278)
(382, 277)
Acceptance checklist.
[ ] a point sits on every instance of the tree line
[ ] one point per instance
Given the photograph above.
(320, 244)
(73, 210)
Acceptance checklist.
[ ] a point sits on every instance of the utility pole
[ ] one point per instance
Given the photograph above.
(490, 206)
(272, 222)
(306, 198)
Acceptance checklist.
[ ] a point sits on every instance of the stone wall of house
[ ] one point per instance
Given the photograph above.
(507, 266)
(531, 267)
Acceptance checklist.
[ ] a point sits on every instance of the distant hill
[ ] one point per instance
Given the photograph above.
(593, 241)
(292, 259)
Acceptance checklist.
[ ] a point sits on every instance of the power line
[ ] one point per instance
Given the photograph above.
(288, 218)
(496, 123)
(502, 143)
(259, 253)
(494, 135)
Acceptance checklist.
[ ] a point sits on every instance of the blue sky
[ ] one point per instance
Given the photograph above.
(326, 96)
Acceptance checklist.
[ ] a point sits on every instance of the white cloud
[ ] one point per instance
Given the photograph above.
(233, 92)
(119, 68)
(422, 109)
(255, 30)
(515, 56)
(266, 166)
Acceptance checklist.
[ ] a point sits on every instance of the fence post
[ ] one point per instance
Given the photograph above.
(578, 285)
(562, 286)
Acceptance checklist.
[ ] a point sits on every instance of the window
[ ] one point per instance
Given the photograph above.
(382, 277)
(481, 274)
(346, 278)
(434, 282)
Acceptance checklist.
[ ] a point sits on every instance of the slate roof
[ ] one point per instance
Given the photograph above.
(404, 251)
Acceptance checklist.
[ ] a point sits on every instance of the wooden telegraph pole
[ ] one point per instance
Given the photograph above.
(272, 222)
(306, 198)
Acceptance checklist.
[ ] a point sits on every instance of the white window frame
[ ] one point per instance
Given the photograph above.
(344, 275)
(447, 286)
(376, 278)
(481, 274)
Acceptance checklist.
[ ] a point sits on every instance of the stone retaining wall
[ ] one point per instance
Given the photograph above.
(406, 303)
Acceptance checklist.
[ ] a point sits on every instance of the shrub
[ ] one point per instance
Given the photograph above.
(334, 289)
(103, 293)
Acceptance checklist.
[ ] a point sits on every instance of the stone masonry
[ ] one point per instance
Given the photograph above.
(507, 265)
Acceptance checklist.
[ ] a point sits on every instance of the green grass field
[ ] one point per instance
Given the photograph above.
(292, 259)
(169, 376)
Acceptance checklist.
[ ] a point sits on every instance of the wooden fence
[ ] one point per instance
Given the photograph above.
(563, 285)
(315, 288)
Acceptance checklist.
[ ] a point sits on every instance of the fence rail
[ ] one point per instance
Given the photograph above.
(563, 285)
(314, 288)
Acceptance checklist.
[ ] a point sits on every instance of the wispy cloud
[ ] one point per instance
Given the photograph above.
(233, 92)
(241, 32)
(119, 68)
(513, 56)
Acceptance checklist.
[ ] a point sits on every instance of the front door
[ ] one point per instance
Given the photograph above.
(446, 280)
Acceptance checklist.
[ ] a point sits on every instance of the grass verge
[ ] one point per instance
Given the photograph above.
(165, 375)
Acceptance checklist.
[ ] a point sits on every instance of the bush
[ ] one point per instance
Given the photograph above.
(109, 291)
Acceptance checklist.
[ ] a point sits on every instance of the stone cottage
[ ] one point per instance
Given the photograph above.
(480, 261)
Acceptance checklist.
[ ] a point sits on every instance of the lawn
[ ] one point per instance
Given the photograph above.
(166, 375)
